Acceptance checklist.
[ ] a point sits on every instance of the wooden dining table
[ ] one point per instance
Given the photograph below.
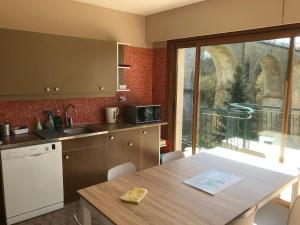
(169, 201)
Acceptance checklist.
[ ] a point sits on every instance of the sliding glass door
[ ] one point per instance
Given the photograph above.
(241, 97)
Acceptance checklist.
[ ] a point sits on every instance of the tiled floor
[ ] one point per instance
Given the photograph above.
(64, 216)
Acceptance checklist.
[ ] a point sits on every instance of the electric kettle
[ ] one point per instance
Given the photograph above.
(111, 114)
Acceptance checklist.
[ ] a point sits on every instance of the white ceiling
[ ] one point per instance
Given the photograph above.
(141, 7)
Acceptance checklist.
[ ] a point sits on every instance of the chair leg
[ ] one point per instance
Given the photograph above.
(76, 219)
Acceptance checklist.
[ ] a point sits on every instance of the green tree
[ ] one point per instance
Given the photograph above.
(238, 88)
(208, 85)
(239, 92)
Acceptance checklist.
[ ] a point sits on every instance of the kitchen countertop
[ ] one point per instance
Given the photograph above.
(16, 141)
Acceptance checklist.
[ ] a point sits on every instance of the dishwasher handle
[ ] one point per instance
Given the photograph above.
(34, 155)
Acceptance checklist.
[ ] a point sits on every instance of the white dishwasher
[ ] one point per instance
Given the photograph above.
(32, 181)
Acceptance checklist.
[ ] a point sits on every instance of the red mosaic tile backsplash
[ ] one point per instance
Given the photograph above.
(159, 84)
(139, 80)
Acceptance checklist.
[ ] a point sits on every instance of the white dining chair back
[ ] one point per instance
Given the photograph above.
(121, 170)
(277, 214)
(294, 215)
(246, 219)
(171, 156)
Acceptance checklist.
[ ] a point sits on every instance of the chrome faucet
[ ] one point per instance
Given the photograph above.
(69, 120)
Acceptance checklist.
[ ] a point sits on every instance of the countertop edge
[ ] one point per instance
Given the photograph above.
(109, 129)
(138, 126)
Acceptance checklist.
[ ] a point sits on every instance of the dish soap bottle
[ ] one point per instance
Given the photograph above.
(49, 123)
(38, 125)
(57, 120)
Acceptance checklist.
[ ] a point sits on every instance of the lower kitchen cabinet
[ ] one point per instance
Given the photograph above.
(87, 160)
(139, 146)
(134, 149)
(116, 148)
(151, 146)
(84, 164)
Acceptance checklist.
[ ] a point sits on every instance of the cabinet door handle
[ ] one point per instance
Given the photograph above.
(67, 157)
(101, 88)
(47, 89)
(56, 89)
(111, 137)
(130, 144)
(144, 132)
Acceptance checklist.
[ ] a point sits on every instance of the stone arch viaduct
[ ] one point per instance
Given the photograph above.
(272, 61)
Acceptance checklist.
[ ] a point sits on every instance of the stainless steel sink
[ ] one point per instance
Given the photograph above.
(77, 131)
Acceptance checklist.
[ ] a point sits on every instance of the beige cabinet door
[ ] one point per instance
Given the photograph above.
(25, 63)
(125, 146)
(117, 142)
(151, 146)
(84, 164)
(134, 148)
(36, 64)
(83, 168)
(83, 66)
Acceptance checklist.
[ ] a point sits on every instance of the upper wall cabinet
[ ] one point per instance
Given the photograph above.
(34, 65)
(291, 13)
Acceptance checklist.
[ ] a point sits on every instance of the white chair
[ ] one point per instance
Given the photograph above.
(275, 214)
(171, 156)
(121, 170)
(246, 219)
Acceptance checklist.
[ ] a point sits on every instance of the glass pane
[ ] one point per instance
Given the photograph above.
(241, 89)
(292, 142)
(185, 94)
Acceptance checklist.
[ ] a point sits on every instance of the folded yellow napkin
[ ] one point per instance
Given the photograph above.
(134, 195)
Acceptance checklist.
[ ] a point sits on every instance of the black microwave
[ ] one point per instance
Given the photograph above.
(142, 113)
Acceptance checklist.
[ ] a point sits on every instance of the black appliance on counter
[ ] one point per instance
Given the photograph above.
(142, 113)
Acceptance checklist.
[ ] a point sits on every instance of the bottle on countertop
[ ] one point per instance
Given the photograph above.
(49, 123)
(57, 120)
(5, 129)
(38, 125)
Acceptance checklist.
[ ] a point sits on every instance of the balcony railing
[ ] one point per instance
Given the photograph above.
(235, 126)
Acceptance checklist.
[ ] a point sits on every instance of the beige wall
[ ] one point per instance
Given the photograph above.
(214, 16)
(67, 17)
(292, 14)
(209, 17)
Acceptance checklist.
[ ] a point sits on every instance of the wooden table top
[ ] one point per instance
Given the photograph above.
(169, 201)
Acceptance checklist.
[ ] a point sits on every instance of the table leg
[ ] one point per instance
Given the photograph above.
(295, 191)
(85, 214)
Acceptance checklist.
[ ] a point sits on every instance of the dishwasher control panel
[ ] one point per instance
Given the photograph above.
(30, 150)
